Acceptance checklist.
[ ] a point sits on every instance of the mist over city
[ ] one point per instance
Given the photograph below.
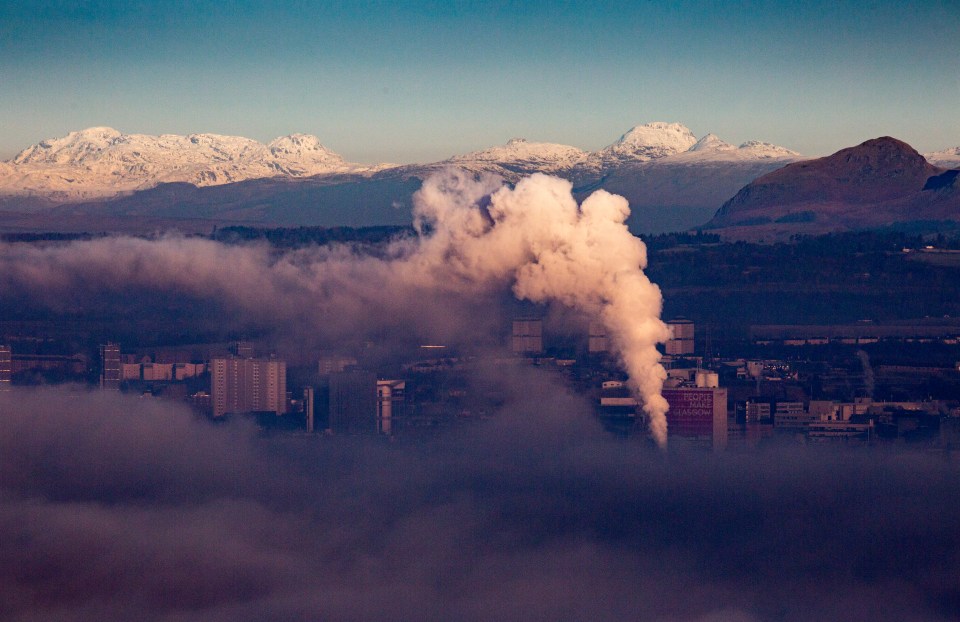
(433, 311)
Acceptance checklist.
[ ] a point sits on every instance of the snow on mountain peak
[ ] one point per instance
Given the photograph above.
(101, 132)
(711, 142)
(101, 161)
(949, 158)
(711, 149)
(71, 148)
(761, 149)
(296, 143)
(299, 149)
(520, 155)
(648, 142)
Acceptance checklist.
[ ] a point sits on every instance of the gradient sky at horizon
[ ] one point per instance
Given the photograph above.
(420, 81)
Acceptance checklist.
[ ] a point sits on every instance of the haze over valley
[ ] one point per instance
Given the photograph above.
(479, 311)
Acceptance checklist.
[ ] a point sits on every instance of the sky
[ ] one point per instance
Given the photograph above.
(420, 81)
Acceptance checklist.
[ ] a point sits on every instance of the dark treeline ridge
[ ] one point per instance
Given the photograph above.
(296, 237)
(828, 243)
(835, 278)
(49, 236)
(279, 237)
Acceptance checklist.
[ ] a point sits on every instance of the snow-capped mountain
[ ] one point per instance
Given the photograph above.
(949, 158)
(650, 141)
(670, 178)
(711, 149)
(102, 162)
(521, 156)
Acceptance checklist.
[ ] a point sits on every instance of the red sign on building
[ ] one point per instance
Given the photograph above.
(691, 411)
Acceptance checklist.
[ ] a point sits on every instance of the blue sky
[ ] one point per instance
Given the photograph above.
(419, 81)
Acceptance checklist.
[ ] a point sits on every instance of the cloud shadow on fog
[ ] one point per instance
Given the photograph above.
(116, 507)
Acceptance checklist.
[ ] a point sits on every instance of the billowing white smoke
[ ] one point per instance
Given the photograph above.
(477, 236)
(554, 250)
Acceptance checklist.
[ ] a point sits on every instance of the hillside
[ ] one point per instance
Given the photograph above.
(881, 182)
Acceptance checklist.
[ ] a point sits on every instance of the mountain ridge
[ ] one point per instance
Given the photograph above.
(101, 162)
(672, 180)
(880, 182)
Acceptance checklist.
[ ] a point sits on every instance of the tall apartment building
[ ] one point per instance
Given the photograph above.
(110, 369)
(239, 385)
(682, 340)
(597, 340)
(6, 367)
(390, 401)
(698, 415)
(527, 336)
(353, 402)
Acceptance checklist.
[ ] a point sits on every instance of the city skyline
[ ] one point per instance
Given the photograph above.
(415, 82)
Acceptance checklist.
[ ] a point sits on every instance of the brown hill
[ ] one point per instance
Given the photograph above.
(881, 182)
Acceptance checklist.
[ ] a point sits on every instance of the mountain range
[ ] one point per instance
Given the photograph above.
(102, 178)
(672, 179)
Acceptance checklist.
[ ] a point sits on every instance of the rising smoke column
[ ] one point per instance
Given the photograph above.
(554, 250)
(477, 238)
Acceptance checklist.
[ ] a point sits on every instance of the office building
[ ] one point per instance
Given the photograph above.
(390, 401)
(597, 340)
(682, 340)
(791, 416)
(527, 337)
(757, 412)
(243, 349)
(110, 366)
(308, 408)
(332, 364)
(353, 402)
(248, 385)
(698, 415)
(6, 367)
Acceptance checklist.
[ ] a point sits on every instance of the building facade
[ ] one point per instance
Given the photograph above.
(6, 367)
(698, 415)
(353, 402)
(527, 337)
(597, 340)
(682, 340)
(248, 385)
(390, 400)
(110, 366)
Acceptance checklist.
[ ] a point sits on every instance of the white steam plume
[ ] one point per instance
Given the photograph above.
(554, 250)
(476, 236)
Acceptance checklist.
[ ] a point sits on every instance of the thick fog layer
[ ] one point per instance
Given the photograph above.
(479, 239)
(117, 507)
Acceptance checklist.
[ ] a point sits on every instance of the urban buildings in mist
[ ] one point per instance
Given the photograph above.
(716, 402)
(242, 385)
